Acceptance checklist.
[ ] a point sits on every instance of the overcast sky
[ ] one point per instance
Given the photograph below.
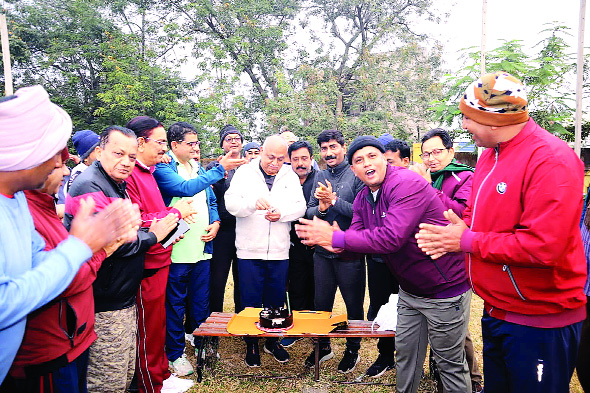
(506, 20)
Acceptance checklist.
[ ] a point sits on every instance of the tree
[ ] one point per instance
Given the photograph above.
(547, 76)
(98, 73)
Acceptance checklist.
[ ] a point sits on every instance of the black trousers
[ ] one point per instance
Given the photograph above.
(349, 276)
(381, 285)
(224, 256)
(301, 278)
(583, 362)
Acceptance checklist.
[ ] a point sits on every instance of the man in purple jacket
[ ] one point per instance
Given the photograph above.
(434, 297)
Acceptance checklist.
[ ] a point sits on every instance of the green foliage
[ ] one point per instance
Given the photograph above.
(89, 66)
(547, 76)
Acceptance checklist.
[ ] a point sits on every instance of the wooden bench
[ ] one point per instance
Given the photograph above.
(216, 326)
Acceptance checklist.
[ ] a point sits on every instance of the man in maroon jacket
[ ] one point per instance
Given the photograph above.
(54, 353)
(525, 257)
(152, 362)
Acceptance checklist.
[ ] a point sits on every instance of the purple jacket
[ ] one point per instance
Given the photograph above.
(456, 188)
(388, 226)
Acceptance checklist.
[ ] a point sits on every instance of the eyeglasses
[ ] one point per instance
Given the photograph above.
(161, 143)
(234, 139)
(434, 153)
(193, 144)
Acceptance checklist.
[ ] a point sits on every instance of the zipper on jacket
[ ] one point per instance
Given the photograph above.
(474, 210)
(506, 269)
(439, 270)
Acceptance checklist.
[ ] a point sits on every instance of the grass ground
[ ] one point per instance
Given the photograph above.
(228, 373)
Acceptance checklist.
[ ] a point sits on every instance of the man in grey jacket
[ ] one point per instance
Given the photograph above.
(332, 202)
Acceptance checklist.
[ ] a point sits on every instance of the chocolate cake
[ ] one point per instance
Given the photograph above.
(276, 318)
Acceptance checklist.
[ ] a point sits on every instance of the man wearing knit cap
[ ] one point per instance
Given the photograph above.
(85, 142)
(224, 258)
(251, 150)
(434, 296)
(520, 231)
(33, 136)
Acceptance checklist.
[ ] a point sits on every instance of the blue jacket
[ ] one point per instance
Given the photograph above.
(172, 185)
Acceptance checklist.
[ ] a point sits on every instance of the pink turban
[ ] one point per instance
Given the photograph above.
(32, 129)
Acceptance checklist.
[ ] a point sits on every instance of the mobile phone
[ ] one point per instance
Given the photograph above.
(182, 227)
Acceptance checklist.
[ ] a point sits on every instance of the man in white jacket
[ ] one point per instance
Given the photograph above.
(265, 197)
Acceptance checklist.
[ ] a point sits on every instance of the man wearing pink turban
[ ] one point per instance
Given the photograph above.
(33, 136)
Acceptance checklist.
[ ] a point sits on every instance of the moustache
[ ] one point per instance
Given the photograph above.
(301, 167)
(330, 158)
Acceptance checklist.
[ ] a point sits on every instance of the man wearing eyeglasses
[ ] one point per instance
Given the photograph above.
(452, 181)
(450, 178)
(188, 278)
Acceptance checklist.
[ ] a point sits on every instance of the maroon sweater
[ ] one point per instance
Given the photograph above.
(71, 314)
(143, 190)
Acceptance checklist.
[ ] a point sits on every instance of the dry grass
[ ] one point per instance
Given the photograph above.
(223, 378)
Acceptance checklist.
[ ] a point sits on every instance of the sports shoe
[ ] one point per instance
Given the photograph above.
(476, 387)
(289, 341)
(277, 351)
(325, 354)
(173, 384)
(181, 366)
(190, 338)
(252, 355)
(348, 362)
(381, 365)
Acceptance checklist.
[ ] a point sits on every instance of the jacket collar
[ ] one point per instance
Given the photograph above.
(338, 169)
(141, 166)
(46, 201)
(527, 130)
(122, 187)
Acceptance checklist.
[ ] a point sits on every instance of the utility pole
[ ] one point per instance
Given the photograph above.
(580, 79)
(9, 90)
(482, 60)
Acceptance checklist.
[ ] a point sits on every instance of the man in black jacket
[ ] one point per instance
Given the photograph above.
(224, 244)
(111, 360)
(332, 202)
(301, 284)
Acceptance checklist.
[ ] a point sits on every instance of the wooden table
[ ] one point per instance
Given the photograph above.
(216, 326)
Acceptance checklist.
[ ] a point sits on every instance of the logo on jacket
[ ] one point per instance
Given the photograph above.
(383, 215)
(501, 187)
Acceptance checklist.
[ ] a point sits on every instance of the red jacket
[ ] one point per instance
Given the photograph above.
(71, 314)
(143, 190)
(524, 243)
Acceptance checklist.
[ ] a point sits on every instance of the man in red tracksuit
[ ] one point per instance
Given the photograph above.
(152, 363)
(524, 249)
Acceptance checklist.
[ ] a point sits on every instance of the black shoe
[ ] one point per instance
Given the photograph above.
(325, 354)
(287, 342)
(252, 355)
(348, 362)
(277, 351)
(381, 365)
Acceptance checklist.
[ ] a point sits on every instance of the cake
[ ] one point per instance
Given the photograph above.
(276, 318)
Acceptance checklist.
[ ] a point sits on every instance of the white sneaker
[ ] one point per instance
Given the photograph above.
(181, 366)
(190, 338)
(176, 385)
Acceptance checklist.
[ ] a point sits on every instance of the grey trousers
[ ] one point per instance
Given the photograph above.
(442, 323)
